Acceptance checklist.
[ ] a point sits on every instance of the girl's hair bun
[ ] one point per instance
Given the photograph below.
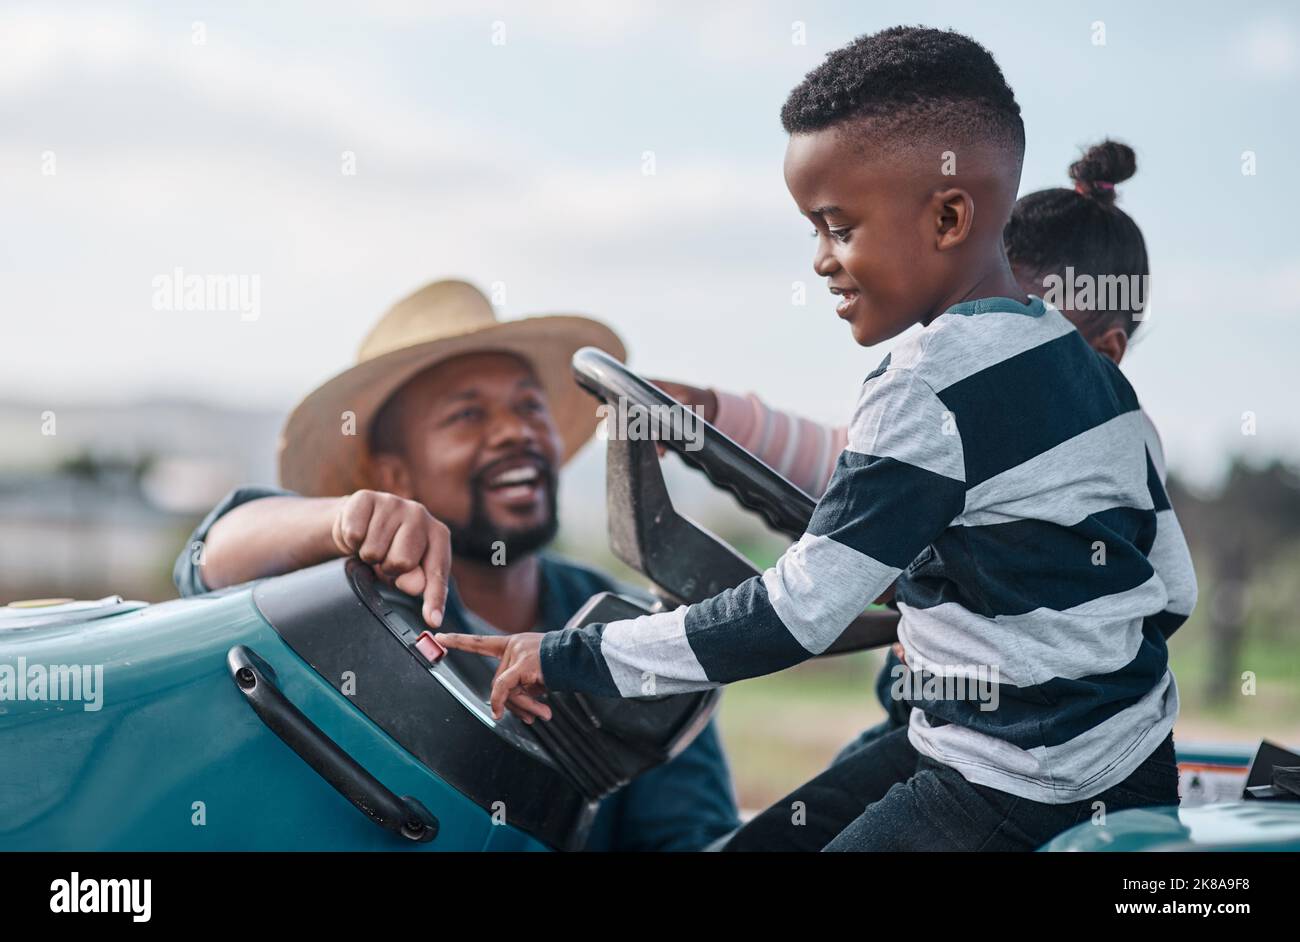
(1100, 168)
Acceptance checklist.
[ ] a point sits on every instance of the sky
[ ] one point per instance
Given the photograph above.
(508, 143)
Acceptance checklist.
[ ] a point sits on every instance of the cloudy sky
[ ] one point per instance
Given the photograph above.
(506, 143)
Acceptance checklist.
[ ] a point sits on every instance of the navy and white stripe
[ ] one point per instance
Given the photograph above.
(1004, 474)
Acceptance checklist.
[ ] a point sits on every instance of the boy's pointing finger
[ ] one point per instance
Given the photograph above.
(492, 646)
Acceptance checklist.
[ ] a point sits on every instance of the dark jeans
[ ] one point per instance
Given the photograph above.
(884, 795)
(867, 736)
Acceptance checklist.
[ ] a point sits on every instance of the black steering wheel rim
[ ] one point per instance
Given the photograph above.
(754, 484)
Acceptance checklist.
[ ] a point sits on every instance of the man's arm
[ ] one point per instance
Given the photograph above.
(268, 537)
(274, 532)
(187, 571)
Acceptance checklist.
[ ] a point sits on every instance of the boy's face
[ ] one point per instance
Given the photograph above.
(876, 235)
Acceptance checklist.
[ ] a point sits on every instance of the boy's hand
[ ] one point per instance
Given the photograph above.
(404, 544)
(518, 681)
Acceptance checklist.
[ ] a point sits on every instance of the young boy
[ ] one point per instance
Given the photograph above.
(996, 470)
(1055, 235)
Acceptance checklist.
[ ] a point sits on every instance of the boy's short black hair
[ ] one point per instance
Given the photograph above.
(933, 84)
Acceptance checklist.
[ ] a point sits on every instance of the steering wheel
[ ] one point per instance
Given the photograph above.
(753, 483)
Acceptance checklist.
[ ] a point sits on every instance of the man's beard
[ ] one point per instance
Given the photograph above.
(483, 541)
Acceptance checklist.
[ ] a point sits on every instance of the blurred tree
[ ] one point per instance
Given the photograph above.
(91, 466)
(1239, 532)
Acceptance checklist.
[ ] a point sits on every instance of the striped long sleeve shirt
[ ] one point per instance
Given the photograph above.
(802, 450)
(1002, 472)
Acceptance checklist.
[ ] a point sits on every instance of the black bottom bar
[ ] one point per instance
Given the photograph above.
(513, 894)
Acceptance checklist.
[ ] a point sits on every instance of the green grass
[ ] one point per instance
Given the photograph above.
(783, 729)
(1272, 711)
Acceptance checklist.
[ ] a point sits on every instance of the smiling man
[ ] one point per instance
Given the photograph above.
(434, 460)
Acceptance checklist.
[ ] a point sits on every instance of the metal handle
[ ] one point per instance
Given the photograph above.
(757, 487)
(402, 816)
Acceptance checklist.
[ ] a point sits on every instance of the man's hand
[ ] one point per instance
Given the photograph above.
(404, 543)
(518, 681)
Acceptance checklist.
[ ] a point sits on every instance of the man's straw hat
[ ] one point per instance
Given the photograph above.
(323, 453)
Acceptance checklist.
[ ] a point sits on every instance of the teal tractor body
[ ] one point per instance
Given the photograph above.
(169, 756)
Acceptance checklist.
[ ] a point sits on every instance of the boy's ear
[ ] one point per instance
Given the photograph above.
(389, 473)
(954, 214)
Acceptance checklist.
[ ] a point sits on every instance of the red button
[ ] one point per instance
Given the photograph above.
(431, 649)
